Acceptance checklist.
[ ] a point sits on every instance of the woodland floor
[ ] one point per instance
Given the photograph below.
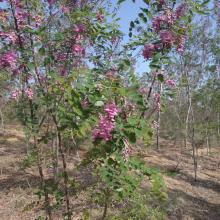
(195, 200)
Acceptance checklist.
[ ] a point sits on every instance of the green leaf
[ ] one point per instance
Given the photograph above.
(157, 57)
(132, 138)
(74, 125)
(62, 108)
(127, 62)
(205, 2)
(99, 103)
(77, 110)
(96, 150)
(37, 44)
(42, 51)
(89, 85)
(120, 1)
(35, 134)
(92, 99)
(128, 177)
(124, 170)
(119, 189)
(78, 85)
(149, 15)
(88, 126)
(30, 65)
(118, 196)
(63, 127)
(160, 78)
(28, 138)
(74, 93)
(132, 24)
(134, 181)
(110, 161)
(154, 67)
(146, 1)
(130, 34)
(83, 132)
(132, 121)
(50, 107)
(163, 107)
(122, 91)
(26, 131)
(138, 132)
(59, 79)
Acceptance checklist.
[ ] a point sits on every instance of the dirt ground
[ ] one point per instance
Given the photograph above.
(195, 200)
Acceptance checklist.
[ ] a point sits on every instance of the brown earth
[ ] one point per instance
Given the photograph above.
(195, 200)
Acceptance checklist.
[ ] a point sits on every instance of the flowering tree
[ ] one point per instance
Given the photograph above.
(47, 47)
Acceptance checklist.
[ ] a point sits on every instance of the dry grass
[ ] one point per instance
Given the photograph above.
(199, 200)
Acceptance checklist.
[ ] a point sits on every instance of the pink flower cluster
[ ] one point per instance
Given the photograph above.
(100, 17)
(16, 93)
(11, 36)
(169, 37)
(76, 49)
(8, 59)
(106, 124)
(158, 101)
(155, 125)
(29, 93)
(37, 20)
(169, 82)
(80, 28)
(161, 2)
(85, 102)
(3, 15)
(147, 52)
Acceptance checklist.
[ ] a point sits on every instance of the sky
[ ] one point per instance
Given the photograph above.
(129, 12)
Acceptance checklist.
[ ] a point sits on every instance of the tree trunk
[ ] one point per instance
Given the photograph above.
(207, 140)
(55, 149)
(194, 153)
(158, 122)
(2, 120)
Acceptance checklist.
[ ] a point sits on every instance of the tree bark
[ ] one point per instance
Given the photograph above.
(2, 120)
(158, 122)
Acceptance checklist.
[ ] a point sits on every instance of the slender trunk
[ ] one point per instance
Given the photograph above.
(76, 148)
(218, 122)
(2, 120)
(188, 113)
(210, 141)
(27, 141)
(105, 211)
(194, 151)
(207, 140)
(65, 172)
(55, 149)
(158, 122)
(42, 179)
(46, 197)
(158, 131)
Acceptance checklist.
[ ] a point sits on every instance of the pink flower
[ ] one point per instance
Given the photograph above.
(158, 102)
(106, 124)
(8, 59)
(100, 17)
(16, 93)
(147, 52)
(169, 82)
(29, 93)
(85, 102)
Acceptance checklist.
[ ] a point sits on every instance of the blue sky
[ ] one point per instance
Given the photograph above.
(129, 12)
